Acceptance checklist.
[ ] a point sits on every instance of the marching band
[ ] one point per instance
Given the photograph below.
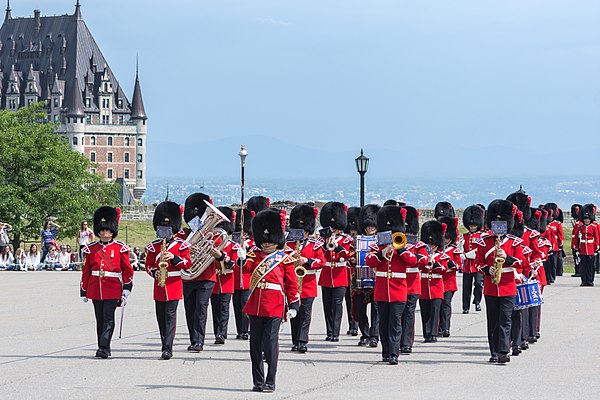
(508, 254)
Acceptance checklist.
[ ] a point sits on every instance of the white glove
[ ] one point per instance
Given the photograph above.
(470, 254)
(124, 297)
(291, 314)
(241, 253)
(84, 299)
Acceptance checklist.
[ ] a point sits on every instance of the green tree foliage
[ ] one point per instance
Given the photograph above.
(42, 178)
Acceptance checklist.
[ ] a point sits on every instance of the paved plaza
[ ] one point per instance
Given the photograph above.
(48, 346)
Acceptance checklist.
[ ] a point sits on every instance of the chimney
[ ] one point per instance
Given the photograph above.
(37, 24)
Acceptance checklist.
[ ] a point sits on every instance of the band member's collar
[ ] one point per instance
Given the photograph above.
(106, 243)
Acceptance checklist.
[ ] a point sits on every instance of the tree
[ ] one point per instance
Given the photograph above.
(42, 178)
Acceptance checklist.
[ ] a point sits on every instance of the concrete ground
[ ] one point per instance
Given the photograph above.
(47, 351)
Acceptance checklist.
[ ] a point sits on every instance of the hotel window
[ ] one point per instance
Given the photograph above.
(109, 157)
(93, 140)
(126, 173)
(109, 173)
(127, 141)
(93, 156)
(139, 174)
(140, 142)
(139, 158)
(110, 141)
(56, 102)
(126, 157)
(74, 140)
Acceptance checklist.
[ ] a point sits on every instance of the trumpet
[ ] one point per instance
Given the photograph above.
(399, 240)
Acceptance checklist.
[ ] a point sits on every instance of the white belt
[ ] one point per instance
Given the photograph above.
(390, 274)
(587, 241)
(424, 275)
(268, 285)
(412, 270)
(335, 264)
(311, 272)
(227, 271)
(174, 273)
(106, 274)
(507, 269)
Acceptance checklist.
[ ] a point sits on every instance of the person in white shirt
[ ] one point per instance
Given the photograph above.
(6, 259)
(64, 259)
(86, 236)
(51, 261)
(20, 260)
(33, 258)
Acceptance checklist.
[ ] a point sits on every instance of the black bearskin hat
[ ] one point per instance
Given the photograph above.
(473, 215)
(352, 224)
(535, 220)
(333, 214)
(248, 216)
(444, 209)
(501, 210)
(367, 217)
(392, 202)
(229, 213)
(412, 220)
(522, 201)
(560, 217)
(575, 209)
(195, 206)
(304, 217)
(107, 218)
(258, 203)
(451, 228)
(432, 232)
(519, 225)
(167, 213)
(269, 227)
(391, 218)
(554, 208)
(588, 211)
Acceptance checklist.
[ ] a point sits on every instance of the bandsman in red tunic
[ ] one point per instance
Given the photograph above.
(413, 279)
(107, 276)
(432, 283)
(539, 223)
(500, 297)
(472, 279)
(587, 243)
(273, 285)
(311, 258)
(362, 297)
(575, 208)
(220, 298)
(449, 276)
(334, 276)
(241, 279)
(552, 236)
(352, 231)
(390, 290)
(168, 288)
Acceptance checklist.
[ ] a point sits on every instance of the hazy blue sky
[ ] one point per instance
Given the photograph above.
(403, 79)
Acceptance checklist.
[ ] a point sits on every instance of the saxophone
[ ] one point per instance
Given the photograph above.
(298, 268)
(161, 274)
(498, 263)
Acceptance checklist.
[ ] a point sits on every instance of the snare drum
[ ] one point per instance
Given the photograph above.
(528, 295)
(365, 277)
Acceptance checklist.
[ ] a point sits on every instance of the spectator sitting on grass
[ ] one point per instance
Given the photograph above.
(64, 259)
(6, 259)
(141, 257)
(34, 258)
(51, 262)
(73, 258)
(133, 259)
(20, 260)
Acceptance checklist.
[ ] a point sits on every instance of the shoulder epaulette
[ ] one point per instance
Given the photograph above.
(124, 247)
(86, 249)
(150, 247)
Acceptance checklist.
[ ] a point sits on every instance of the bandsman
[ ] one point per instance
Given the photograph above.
(472, 279)
(449, 276)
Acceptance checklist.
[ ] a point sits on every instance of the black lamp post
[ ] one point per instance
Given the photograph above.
(362, 164)
(243, 154)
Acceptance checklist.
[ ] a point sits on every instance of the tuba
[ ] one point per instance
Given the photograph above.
(204, 240)
(498, 263)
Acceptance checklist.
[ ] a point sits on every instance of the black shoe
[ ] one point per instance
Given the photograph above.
(354, 332)
(446, 334)
(493, 359)
(268, 387)
(197, 348)
(166, 355)
(348, 332)
(328, 338)
(393, 360)
(434, 339)
(294, 348)
(363, 342)
(531, 339)
(516, 351)
(102, 353)
(190, 348)
(477, 307)
(335, 339)
(503, 359)
(428, 340)
(245, 336)
(537, 336)
(576, 276)
(238, 336)
(302, 349)
(406, 350)
(524, 345)
(257, 388)
(465, 311)
(385, 359)
(220, 339)
(373, 342)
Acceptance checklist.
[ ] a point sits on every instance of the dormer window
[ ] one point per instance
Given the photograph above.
(88, 102)
(120, 103)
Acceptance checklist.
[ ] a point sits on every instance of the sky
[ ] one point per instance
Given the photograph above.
(426, 88)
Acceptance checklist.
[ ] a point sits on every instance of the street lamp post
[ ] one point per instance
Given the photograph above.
(243, 154)
(362, 164)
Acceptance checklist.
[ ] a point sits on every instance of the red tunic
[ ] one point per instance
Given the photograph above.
(390, 275)
(432, 283)
(101, 280)
(574, 235)
(485, 259)
(587, 240)
(313, 251)
(173, 289)
(225, 269)
(241, 279)
(470, 251)
(450, 274)
(413, 274)
(335, 269)
(269, 297)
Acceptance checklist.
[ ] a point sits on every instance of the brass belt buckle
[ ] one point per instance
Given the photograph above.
(262, 285)
(102, 273)
(389, 274)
